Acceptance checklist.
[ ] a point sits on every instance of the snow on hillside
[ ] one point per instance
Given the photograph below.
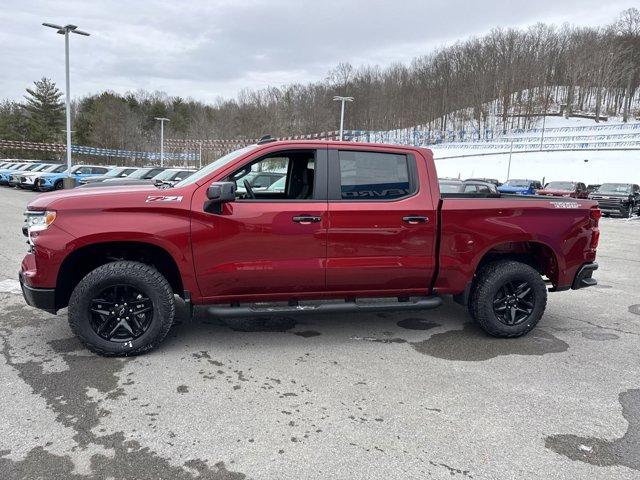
(599, 167)
(585, 154)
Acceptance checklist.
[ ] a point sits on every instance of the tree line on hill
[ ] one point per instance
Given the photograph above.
(500, 80)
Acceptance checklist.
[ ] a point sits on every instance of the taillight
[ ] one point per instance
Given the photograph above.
(595, 214)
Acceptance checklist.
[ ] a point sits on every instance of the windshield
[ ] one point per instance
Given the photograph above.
(140, 173)
(623, 188)
(116, 172)
(41, 168)
(212, 167)
(518, 183)
(560, 186)
(450, 187)
(166, 175)
(55, 169)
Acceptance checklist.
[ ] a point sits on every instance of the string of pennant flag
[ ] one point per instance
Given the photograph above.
(626, 135)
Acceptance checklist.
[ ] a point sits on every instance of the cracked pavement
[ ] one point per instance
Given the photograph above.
(408, 395)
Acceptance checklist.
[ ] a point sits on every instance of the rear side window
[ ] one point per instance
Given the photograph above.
(373, 175)
(99, 170)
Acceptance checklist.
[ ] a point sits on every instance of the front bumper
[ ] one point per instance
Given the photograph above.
(584, 277)
(42, 298)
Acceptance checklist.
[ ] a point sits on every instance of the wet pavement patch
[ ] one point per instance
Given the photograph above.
(260, 324)
(417, 324)
(472, 344)
(380, 340)
(66, 394)
(307, 333)
(635, 309)
(601, 337)
(623, 451)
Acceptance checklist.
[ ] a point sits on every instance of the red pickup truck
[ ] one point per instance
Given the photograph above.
(349, 227)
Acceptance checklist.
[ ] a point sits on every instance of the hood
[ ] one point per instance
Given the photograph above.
(508, 189)
(554, 192)
(597, 195)
(49, 174)
(78, 198)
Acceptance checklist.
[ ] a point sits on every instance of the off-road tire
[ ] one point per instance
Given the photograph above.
(144, 278)
(489, 280)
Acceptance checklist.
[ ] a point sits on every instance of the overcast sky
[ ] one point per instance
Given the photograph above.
(210, 49)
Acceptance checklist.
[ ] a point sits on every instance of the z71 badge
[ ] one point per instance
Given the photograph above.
(164, 198)
(565, 204)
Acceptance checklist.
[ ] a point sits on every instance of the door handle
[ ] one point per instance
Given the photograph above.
(306, 219)
(414, 220)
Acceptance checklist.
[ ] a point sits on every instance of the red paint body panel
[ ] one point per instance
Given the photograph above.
(254, 252)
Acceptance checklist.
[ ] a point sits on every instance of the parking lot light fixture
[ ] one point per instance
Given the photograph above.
(338, 98)
(66, 30)
(162, 120)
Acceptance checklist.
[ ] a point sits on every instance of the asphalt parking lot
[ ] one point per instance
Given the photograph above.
(424, 395)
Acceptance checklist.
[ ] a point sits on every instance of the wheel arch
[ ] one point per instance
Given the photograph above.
(83, 260)
(534, 253)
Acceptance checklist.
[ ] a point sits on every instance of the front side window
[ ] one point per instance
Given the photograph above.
(294, 172)
(373, 175)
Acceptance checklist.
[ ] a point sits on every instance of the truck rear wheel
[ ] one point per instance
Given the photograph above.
(122, 308)
(508, 299)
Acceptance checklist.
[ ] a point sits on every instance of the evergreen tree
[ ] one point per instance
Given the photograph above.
(45, 111)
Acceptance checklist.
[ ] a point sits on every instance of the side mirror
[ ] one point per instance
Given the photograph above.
(219, 193)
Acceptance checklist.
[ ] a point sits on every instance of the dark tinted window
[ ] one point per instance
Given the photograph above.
(373, 176)
(152, 173)
(99, 170)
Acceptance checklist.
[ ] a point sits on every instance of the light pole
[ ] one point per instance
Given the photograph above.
(69, 183)
(338, 98)
(162, 120)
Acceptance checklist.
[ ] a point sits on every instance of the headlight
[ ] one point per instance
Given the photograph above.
(38, 221)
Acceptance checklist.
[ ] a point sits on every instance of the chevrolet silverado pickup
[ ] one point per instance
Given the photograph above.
(355, 227)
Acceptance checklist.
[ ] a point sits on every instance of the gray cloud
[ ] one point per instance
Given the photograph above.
(207, 49)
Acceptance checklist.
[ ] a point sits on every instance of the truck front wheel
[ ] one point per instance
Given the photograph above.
(508, 299)
(122, 308)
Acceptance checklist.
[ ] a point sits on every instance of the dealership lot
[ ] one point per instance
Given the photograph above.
(408, 395)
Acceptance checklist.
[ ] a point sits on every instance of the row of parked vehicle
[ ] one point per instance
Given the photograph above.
(620, 199)
(44, 176)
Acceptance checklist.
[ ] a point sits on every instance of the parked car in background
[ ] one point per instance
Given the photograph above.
(621, 199)
(520, 187)
(494, 181)
(593, 187)
(14, 178)
(259, 180)
(11, 168)
(449, 185)
(468, 187)
(117, 172)
(5, 175)
(54, 181)
(144, 173)
(172, 175)
(27, 179)
(564, 189)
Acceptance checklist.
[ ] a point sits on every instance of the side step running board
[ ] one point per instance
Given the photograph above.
(350, 306)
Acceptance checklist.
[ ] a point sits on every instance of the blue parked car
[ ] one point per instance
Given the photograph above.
(5, 174)
(54, 181)
(520, 187)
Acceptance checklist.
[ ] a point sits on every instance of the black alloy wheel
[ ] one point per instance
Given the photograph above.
(120, 313)
(514, 302)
